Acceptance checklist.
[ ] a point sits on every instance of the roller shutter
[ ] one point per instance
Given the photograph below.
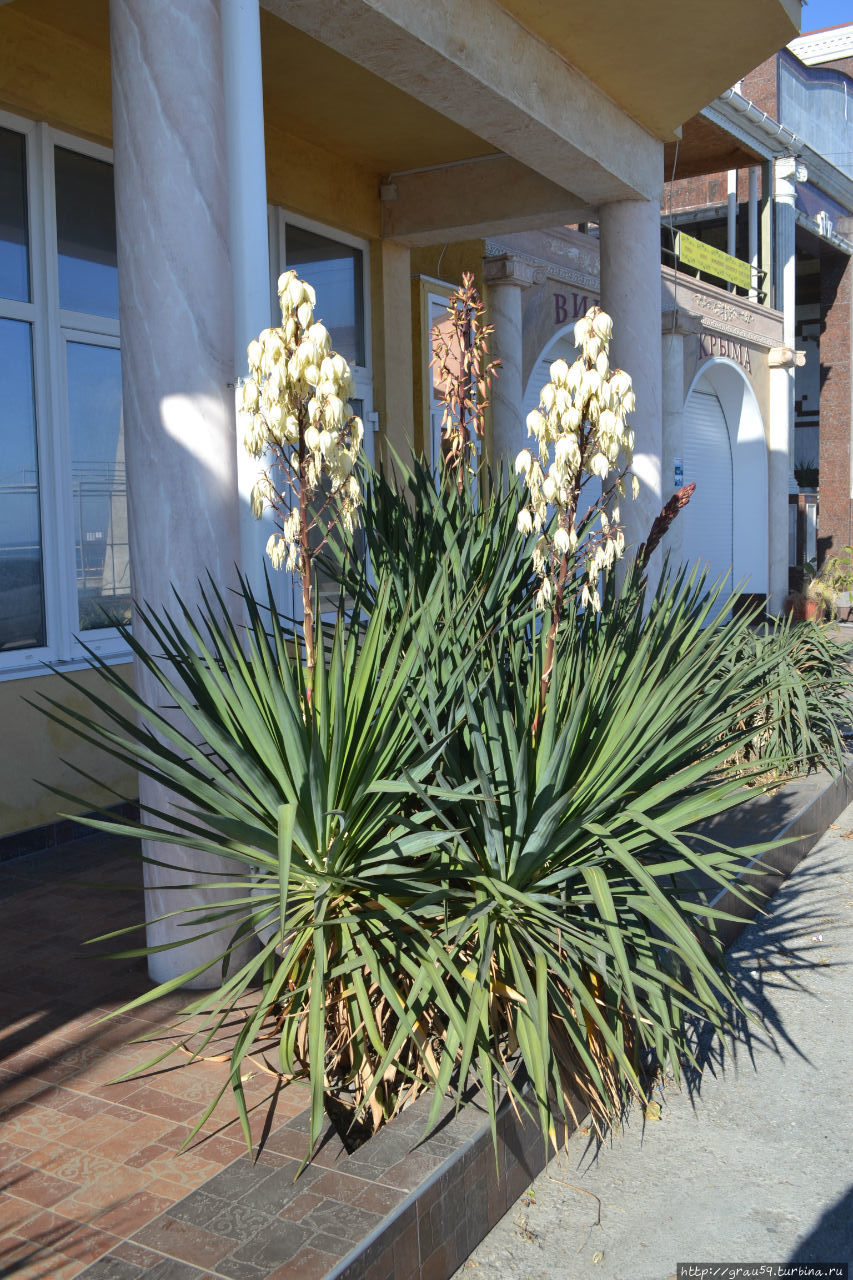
(709, 516)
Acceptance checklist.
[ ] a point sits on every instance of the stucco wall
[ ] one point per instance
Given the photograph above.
(36, 751)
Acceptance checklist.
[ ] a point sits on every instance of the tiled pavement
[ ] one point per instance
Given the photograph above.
(93, 1178)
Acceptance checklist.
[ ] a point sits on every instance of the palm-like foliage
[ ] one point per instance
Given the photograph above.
(578, 901)
(800, 717)
(442, 541)
(335, 862)
(442, 875)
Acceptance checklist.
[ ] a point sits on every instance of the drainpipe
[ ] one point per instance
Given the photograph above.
(731, 217)
(752, 228)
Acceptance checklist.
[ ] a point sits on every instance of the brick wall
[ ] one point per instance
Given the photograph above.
(836, 288)
(760, 86)
(710, 189)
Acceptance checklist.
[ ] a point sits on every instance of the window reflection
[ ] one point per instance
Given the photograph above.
(336, 273)
(99, 487)
(14, 256)
(86, 234)
(21, 592)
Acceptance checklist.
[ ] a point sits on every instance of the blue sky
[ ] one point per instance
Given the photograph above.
(826, 13)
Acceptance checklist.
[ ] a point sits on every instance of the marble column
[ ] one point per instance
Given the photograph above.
(781, 362)
(177, 329)
(248, 241)
(506, 278)
(677, 325)
(631, 294)
(786, 174)
(393, 372)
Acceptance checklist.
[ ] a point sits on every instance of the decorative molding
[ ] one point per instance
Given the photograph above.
(785, 358)
(582, 258)
(724, 310)
(732, 331)
(545, 270)
(509, 268)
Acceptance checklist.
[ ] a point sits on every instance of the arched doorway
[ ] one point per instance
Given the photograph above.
(562, 346)
(708, 524)
(725, 524)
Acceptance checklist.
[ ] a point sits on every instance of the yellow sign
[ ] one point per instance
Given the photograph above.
(695, 253)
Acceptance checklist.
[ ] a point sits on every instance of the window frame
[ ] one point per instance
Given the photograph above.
(363, 374)
(51, 328)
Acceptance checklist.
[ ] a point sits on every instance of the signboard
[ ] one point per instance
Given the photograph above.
(695, 253)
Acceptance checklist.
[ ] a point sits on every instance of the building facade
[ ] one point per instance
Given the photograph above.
(163, 162)
(784, 205)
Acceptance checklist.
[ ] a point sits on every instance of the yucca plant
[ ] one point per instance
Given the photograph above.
(436, 535)
(337, 863)
(579, 900)
(462, 833)
(798, 720)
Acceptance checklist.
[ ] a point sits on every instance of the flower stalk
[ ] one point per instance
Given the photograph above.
(581, 418)
(300, 422)
(460, 345)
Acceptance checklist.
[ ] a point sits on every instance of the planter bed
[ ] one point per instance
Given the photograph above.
(403, 1209)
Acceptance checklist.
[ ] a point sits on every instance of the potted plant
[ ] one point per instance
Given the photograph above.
(807, 476)
(837, 573)
(813, 599)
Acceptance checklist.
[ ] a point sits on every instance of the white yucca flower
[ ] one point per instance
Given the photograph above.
(581, 416)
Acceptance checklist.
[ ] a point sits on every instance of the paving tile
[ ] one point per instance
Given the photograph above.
(129, 1139)
(78, 1166)
(130, 1215)
(219, 1150)
(186, 1169)
(184, 1240)
(81, 1105)
(86, 1243)
(13, 1213)
(198, 1207)
(109, 1190)
(140, 1159)
(270, 1248)
(275, 1190)
(338, 1185)
(379, 1199)
(93, 1130)
(10, 1154)
(172, 1269)
(137, 1254)
(112, 1267)
(37, 1187)
(36, 1125)
(345, 1221)
(156, 1103)
(47, 1228)
(303, 1203)
(324, 1242)
(43, 1157)
(408, 1173)
(240, 1221)
(171, 1191)
(239, 1179)
(308, 1264)
(237, 1269)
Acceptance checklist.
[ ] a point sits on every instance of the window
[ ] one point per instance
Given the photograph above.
(64, 567)
(335, 265)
